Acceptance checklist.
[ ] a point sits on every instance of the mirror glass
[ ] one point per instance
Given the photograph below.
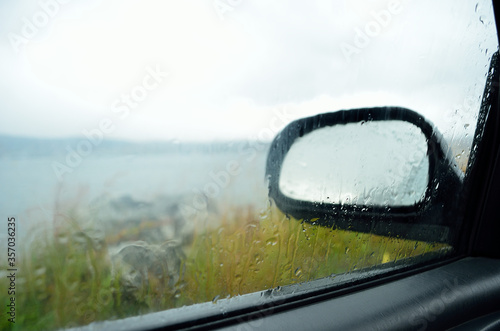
(367, 163)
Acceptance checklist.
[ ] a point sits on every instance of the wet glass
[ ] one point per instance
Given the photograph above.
(134, 136)
(372, 163)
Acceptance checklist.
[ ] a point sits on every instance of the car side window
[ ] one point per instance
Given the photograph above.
(159, 155)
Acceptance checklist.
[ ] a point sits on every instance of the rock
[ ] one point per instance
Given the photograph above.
(160, 219)
(141, 270)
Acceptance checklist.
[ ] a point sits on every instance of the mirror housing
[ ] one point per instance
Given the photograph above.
(429, 218)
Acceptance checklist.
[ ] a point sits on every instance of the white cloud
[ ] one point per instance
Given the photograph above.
(227, 77)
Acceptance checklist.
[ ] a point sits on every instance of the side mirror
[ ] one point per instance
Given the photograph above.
(375, 170)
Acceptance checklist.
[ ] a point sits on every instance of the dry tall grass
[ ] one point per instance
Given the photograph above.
(65, 280)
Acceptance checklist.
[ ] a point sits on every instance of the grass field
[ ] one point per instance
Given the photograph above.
(66, 281)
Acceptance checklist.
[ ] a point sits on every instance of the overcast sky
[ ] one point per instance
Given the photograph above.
(232, 66)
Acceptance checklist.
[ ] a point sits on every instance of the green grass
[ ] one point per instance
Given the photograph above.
(64, 282)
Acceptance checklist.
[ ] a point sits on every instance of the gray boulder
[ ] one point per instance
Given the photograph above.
(154, 221)
(142, 271)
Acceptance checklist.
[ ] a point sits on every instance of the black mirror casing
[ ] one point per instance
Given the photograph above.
(429, 220)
